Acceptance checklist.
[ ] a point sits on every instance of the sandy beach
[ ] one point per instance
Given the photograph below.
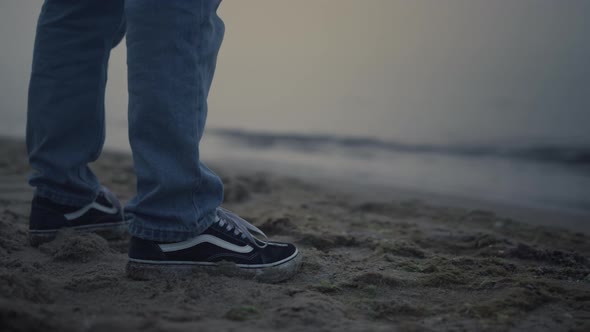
(369, 265)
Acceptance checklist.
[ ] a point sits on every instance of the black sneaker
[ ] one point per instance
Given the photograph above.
(227, 247)
(104, 216)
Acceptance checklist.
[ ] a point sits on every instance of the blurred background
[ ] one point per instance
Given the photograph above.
(473, 98)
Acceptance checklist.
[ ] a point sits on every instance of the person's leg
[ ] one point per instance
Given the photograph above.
(172, 49)
(65, 119)
(178, 226)
(65, 125)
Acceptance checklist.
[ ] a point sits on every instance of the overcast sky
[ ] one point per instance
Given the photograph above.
(412, 70)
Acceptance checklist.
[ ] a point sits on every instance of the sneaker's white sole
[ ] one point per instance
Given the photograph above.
(274, 272)
(111, 230)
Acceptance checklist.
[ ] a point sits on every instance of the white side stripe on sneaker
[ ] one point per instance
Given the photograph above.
(95, 205)
(205, 238)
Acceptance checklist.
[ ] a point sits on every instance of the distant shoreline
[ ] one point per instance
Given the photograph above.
(573, 155)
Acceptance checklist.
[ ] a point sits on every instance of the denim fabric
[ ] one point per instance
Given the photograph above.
(172, 50)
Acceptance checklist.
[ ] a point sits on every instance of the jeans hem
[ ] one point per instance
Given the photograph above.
(65, 199)
(136, 229)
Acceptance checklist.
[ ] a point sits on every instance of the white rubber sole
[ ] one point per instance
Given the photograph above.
(269, 273)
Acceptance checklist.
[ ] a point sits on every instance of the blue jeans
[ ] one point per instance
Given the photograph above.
(172, 48)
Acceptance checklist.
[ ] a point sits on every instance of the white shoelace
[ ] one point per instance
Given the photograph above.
(231, 221)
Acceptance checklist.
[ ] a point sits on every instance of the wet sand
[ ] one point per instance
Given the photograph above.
(369, 265)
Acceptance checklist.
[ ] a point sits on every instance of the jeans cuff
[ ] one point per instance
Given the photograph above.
(161, 234)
